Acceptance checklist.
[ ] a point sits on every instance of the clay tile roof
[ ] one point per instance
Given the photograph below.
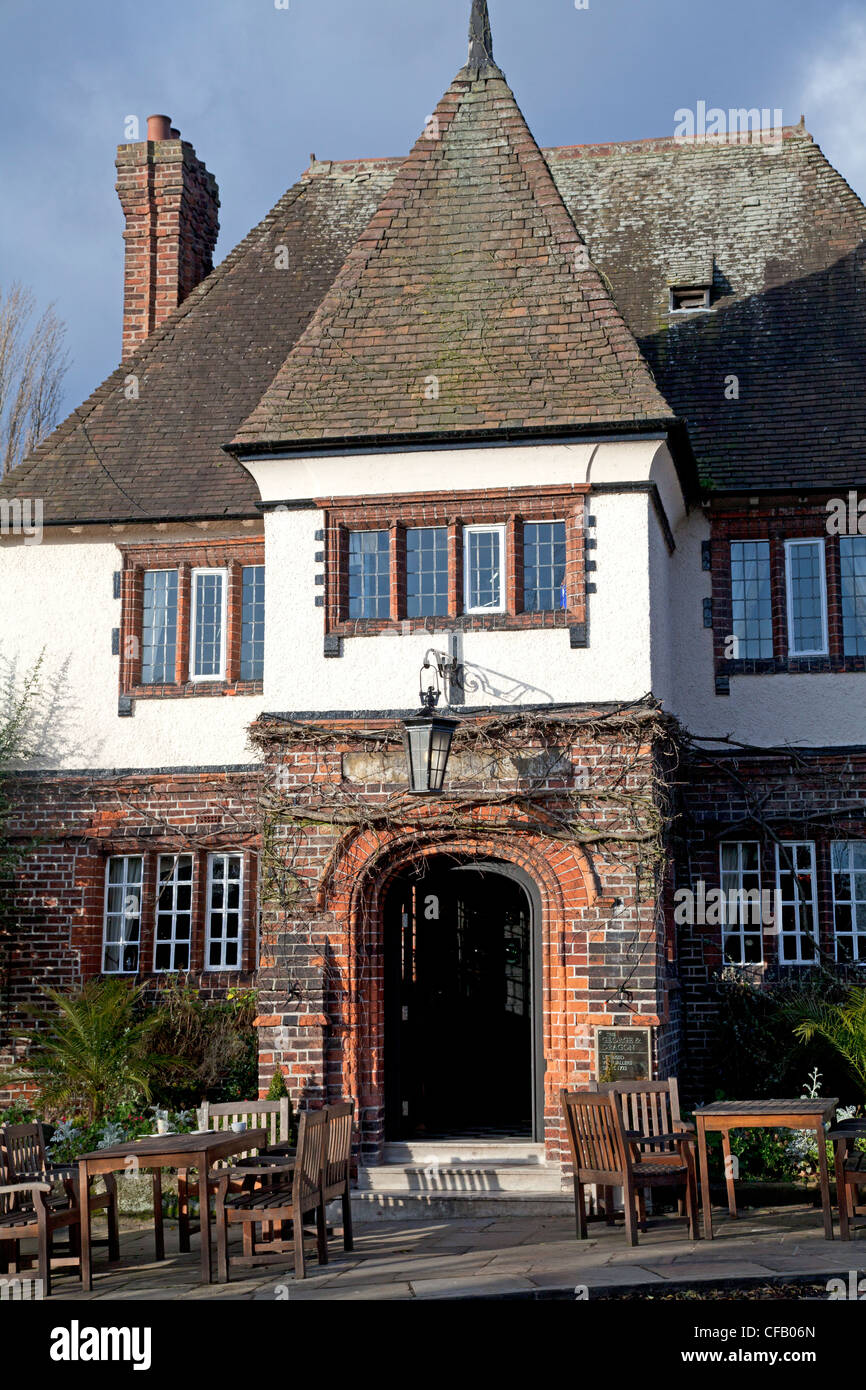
(158, 454)
(467, 305)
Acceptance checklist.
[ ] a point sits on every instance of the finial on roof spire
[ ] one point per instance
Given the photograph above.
(480, 41)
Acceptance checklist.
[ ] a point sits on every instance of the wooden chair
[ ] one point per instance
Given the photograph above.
(602, 1154)
(28, 1211)
(337, 1166)
(650, 1109)
(286, 1192)
(850, 1174)
(26, 1160)
(273, 1115)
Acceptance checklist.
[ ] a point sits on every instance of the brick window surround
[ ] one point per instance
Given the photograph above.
(150, 856)
(184, 556)
(496, 506)
(777, 525)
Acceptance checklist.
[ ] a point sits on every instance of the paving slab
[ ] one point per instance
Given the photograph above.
(502, 1256)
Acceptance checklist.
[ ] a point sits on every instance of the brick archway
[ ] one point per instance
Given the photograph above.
(355, 890)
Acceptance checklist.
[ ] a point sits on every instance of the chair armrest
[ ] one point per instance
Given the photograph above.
(685, 1127)
(266, 1160)
(8, 1188)
(656, 1140)
(268, 1170)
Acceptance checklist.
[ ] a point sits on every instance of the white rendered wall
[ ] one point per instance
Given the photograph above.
(524, 667)
(56, 598)
(534, 667)
(810, 710)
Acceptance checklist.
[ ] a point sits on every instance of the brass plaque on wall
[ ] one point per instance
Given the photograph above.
(623, 1054)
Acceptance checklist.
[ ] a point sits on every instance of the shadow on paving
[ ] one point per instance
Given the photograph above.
(499, 1258)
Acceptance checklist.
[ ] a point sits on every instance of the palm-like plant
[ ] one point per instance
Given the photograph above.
(92, 1051)
(841, 1023)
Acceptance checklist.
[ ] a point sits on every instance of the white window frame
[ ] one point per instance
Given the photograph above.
(859, 960)
(789, 546)
(484, 528)
(193, 606)
(741, 929)
(126, 859)
(173, 941)
(221, 912)
(801, 936)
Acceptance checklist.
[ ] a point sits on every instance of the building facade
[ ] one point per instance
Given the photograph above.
(563, 431)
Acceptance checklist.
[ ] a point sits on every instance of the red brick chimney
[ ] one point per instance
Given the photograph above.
(170, 203)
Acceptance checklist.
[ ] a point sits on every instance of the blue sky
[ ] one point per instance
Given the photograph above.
(256, 89)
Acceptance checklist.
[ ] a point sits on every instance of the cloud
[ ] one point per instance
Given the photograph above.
(834, 98)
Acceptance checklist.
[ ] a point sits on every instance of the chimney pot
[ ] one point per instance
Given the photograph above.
(175, 133)
(159, 127)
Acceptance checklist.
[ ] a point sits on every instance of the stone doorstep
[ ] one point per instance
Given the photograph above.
(408, 1205)
(460, 1177)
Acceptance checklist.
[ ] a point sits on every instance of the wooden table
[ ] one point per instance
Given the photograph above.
(726, 1115)
(156, 1152)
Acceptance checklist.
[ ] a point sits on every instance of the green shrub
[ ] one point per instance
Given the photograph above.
(94, 1050)
(215, 1046)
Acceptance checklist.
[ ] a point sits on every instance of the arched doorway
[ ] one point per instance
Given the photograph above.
(463, 1041)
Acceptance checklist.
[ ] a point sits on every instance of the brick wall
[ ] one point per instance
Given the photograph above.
(811, 795)
(605, 959)
(75, 823)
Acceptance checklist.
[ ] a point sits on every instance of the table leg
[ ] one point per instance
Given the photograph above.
(84, 1208)
(158, 1235)
(729, 1173)
(204, 1222)
(825, 1180)
(705, 1179)
(841, 1146)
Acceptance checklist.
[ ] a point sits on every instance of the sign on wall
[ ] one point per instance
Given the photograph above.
(623, 1054)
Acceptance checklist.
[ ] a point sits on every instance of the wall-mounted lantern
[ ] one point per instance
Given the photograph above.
(427, 737)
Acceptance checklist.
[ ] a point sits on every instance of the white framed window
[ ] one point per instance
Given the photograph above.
(848, 859)
(171, 950)
(484, 569)
(207, 639)
(797, 898)
(806, 578)
(740, 879)
(121, 924)
(225, 905)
